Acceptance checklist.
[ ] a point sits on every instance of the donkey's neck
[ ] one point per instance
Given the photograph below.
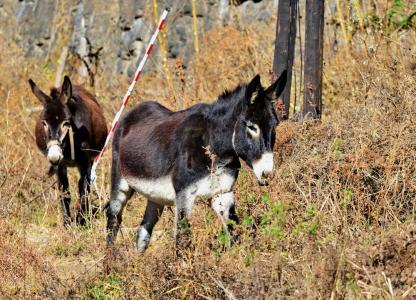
(222, 117)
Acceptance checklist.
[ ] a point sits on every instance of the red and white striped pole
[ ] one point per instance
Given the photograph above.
(126, 98)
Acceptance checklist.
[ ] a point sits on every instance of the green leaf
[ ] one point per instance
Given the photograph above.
(265, 198)
(247, 220)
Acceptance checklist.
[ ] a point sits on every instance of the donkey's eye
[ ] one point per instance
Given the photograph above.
(45, 125)
(253, 129)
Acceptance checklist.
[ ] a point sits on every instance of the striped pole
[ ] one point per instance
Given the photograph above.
(126, 98)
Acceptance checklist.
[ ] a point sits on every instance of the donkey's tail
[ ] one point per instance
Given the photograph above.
(115, 160)
(105, 206)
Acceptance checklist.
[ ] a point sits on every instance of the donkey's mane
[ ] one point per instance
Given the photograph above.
(229, 93)
(55, 93)
(78, 92)
(227, 102)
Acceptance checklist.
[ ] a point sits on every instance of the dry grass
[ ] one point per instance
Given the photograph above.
(336, 222)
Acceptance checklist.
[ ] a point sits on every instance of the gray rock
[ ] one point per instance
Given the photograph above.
(121, 28)
(180, 39)
(133, 31)
(261, 11)
(224, 11)
(34, 20)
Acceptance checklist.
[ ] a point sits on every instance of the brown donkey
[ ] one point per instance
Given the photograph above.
(70, 132)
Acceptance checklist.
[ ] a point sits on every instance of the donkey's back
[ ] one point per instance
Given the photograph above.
(147, 139)
(92, 118)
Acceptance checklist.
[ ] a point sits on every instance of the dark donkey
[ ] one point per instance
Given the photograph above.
(174, 157)
(70, 132)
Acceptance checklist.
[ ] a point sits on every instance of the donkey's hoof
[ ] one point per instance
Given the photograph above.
(235, 239)
(67, 222)
(81, 219)
(180, 252)
(110, 242)
(183, 243)
(141, 246)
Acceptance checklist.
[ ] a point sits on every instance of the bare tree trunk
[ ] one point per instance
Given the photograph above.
(312, 105)
(285, 45)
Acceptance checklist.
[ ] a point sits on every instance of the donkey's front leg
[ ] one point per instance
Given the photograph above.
(65, 196)
(151, 216)
(224, 205)
(84, 190)
(184, 203)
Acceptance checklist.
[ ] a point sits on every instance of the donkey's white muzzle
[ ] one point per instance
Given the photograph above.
(263, 167)
(54, 154)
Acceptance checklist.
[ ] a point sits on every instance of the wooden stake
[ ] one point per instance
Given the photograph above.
(285, 46)
(312, 105)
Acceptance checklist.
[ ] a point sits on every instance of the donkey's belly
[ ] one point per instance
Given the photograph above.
(219, 182)
(159, 190)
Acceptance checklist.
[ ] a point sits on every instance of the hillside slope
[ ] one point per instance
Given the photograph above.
(337, 221)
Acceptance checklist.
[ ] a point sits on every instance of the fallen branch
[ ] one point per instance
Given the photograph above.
(61, 66)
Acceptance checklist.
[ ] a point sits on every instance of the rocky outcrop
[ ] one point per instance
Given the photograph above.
(115, 33)
(34, 21)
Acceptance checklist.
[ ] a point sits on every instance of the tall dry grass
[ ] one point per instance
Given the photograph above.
(338, 220)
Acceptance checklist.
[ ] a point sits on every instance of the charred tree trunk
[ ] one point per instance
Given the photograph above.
(285, 46)
(312, 105)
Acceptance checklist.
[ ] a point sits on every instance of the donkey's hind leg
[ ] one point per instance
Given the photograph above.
(65, 196)
(151, 216)
(224, 205)
(121, 192)
(83, 190)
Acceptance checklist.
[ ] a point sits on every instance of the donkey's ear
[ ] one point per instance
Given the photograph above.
(66, 91)
(253, 89)
(275, 90)
(43, 98)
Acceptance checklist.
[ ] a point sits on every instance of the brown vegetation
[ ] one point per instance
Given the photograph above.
(338, 220)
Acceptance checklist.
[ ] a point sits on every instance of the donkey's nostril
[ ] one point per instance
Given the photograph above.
(265, 178)
(263, 182)
(54, 154)
(263, 167)
(54, 159)
(269, 174)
